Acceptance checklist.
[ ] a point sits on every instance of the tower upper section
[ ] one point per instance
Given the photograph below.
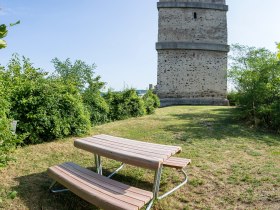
(187, 23)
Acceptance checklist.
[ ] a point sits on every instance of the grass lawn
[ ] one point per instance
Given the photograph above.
(233, 165)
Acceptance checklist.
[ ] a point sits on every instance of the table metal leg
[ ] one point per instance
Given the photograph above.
(155, 187)
(98, 164)
(157, 181)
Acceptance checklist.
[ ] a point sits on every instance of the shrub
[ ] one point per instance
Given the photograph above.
(82, 76)
(8, 140)
(46, 108)
(233, 98)
(151, 102)
(97, 106)
(124, 104)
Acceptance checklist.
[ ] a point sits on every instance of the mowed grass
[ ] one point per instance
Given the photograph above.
(233, 166)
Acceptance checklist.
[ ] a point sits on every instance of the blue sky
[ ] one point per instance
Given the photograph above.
(118, 36)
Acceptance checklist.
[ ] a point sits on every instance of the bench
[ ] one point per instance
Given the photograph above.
(97, 189)
(175, 162)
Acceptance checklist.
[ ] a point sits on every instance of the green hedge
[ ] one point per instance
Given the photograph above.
(8, 140)
(124, 104)
(64, 104)
(151, 102)
(46, 108)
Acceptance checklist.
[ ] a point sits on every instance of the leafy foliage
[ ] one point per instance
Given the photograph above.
(46, 108)
(124, 104)
(151, 102)
(3, 34)
(256, 73)
(97, 105)
(233, 98)
(63, 104)
(278, 46)
(79, 73)
(82, 76)
(8, 140)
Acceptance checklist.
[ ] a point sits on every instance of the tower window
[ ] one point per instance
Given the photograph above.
(194, 15)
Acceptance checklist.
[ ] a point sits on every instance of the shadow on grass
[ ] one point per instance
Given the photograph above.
(217, 124)
(33, 190)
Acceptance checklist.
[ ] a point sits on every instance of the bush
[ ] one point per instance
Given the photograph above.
(97, 106)
(8, 140)
(82, 76)
(46, 108)
(124, 104)
(151, 102)
(256, 73)
(233, 97)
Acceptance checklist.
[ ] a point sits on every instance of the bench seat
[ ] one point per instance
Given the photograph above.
(97, 189)
(175, 162)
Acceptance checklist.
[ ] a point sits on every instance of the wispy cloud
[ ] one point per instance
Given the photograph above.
(6, 11)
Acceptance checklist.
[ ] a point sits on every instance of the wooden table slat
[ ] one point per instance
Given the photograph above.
(142, 145)
(107, 137)
(125, 157)
(124, 148)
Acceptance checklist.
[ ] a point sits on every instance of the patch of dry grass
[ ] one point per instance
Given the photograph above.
(233, 166)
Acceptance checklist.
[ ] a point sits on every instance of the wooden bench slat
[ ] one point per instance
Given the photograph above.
(175, 162)
(95, 197)
(126, 157)
(90, 188)
(112, 182)
(133, 149)
(115, 188)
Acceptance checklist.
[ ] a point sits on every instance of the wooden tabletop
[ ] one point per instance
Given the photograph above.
(138, 153)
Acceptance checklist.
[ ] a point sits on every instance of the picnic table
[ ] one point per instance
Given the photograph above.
(110, 194)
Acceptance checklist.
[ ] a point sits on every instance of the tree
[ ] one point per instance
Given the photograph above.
(79, 73)
(256, 74)
(3, 34)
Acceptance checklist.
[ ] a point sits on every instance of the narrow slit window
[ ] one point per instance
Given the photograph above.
(194, 15)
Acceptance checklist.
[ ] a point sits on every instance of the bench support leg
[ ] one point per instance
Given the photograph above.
(56, 191)
(175, 188)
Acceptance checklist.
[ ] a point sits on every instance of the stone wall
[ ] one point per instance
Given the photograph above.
(191, 74)
(178, 24)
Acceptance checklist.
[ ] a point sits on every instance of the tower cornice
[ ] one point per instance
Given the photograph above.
(191, 46)
(197, 5)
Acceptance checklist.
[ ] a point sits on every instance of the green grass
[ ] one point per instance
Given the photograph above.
(233, 166)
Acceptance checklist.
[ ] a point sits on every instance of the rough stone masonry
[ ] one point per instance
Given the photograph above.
(192, 52)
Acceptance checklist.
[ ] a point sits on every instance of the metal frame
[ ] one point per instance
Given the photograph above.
(56, 191)
(157, 185)
(177, 187)
(116, 171)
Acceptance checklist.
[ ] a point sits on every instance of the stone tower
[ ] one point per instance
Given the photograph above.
(192, 52)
